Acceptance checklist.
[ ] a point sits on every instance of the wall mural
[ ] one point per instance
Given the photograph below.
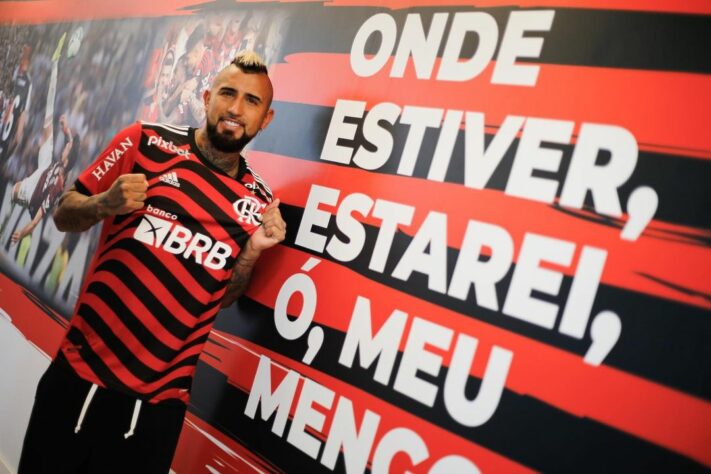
(498, 252)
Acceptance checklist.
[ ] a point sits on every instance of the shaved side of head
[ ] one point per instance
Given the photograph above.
(249, 62)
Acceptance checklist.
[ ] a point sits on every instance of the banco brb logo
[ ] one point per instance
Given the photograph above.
(179, 240)
(248, 210)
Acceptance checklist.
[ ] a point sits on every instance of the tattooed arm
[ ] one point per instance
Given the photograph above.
(242, 274)
(77, 212)
(271, 232)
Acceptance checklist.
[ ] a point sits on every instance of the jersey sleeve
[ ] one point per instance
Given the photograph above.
(53, 194)
(255, 183)
(116, 159)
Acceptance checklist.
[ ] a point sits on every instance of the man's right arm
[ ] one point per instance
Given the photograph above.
(77, 212)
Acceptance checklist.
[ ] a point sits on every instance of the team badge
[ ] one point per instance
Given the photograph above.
(248, 210)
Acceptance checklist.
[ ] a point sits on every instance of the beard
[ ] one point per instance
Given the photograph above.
(227, 143)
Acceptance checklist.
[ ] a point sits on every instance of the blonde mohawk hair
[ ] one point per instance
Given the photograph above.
(250, 62)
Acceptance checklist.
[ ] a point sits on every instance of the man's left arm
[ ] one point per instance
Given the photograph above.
(270, 233)
(22, 121)
(20, 234)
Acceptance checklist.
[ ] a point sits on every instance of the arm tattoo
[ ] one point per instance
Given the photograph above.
(241, 275)
(76, 212)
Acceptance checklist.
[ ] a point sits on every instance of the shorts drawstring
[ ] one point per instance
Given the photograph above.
(85, 407)
(134, 419)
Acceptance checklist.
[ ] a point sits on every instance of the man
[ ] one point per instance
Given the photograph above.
(182, 232)
(151, 104)
(14, 117)
(24, 191)
(40, 190)
(232, 37)
(183, 103)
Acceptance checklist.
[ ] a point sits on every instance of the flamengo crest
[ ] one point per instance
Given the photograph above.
(248, 210)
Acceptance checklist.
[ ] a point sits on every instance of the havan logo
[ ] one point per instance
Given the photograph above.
(111, 159)
(178, 240)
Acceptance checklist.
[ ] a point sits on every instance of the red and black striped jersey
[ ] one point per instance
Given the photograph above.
(155, 284)
(49, 188)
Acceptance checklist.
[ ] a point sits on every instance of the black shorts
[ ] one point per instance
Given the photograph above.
(100, 446)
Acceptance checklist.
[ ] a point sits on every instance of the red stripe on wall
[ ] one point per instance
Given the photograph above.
(238, 359)
(49, 11)
(37, 327)
(682, 264)
(663, 110)
(668, 6)
(629, 403)
(46, 11)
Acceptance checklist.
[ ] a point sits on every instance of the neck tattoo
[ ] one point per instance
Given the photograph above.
(227, 162)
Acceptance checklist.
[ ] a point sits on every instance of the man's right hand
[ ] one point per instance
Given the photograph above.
(125, 195)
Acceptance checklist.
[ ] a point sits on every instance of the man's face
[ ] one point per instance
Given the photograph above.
(25, 64)
(234, 26)
(236, 108)
(214, 27)
(166, 71)
(195, 55)
(25, 59)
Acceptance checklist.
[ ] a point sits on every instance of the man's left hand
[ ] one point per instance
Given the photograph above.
(271, 232)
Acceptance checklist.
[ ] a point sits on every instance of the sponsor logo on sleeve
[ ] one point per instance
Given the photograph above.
(111, 159)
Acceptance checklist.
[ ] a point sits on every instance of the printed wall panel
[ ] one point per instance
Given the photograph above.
(499, 240)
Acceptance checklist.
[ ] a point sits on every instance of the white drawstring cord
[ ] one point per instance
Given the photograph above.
(134, 419)
(87, 402)
(84, 408)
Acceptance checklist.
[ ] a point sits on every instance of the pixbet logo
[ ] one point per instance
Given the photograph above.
(248, 210)
(167, 146)
(178, 240)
